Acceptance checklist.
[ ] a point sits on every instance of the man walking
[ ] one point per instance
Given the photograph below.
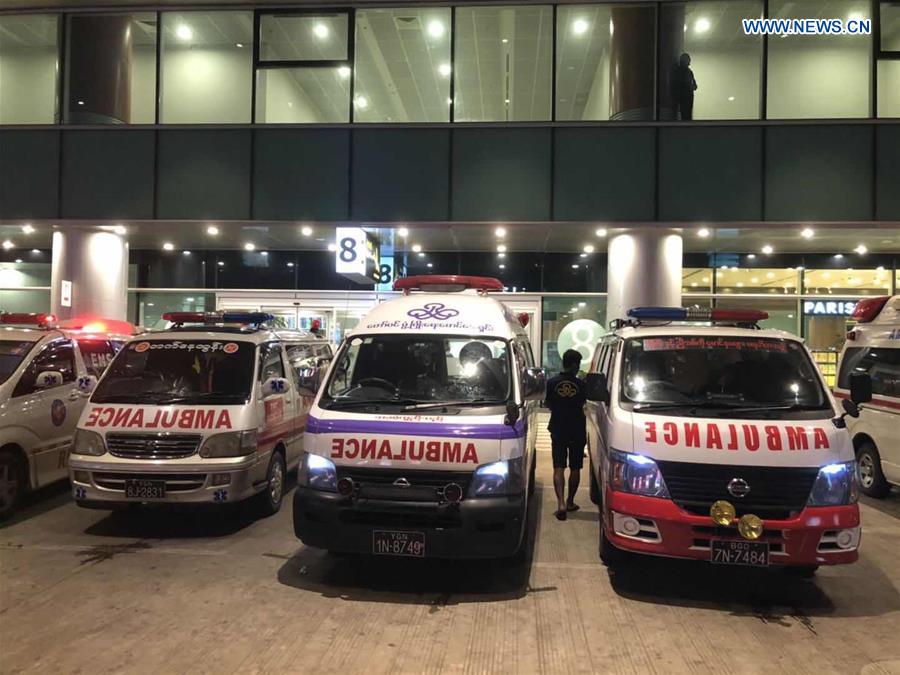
(565, 399)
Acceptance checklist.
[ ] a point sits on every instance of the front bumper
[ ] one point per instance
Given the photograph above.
(474, 528)
(99, 484)
(668, 530)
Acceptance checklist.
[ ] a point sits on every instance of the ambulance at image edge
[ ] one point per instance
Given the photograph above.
(209, 411)
(421, 441)
(718, 441)
(873, 348)
(46, 374)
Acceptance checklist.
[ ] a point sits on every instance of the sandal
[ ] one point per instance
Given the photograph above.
(571, 508)
(560, 515)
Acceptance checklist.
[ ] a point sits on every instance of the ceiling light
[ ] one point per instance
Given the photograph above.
(500, 232)
(501, 255)
(306, 231)
(239, 45)
(220, 264)
(770, 275)
(344, 71)
(18, 260)
(402, 232)
(27, 229)
(705, 280)
(582, 255)
(505, 41)
(501, 248)
(35, 250)
(184, 32)
(362, 102)
(502, 266)
(290, 264)
(731, 98)
(838, 256)
(693, 284)
(332, 247)
(8, 245)
(417, 248)
(702, 232)
(188, 299)
(168, 246)
(799, 268)
(580, 26)
(861, 249)
(582, 304)
(767, 249)
(119, 229)
(574, 267)
(734, 269)
(754, 280)
(807, 233)
(435, 28)
(80, 102)
(880, 268)
(212, 230)
(740, 284)
(751, 256)
(430, 264)
(702, 25)
(506, 100)
(588, 248)
(264, 253)
(320, 30)
(249, 246)
(186, 252)
(601, 232)
(421, 254)
(444, 69)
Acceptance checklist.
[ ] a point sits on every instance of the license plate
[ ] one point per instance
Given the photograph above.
(391, 542)
(752, 553)
(145, 489)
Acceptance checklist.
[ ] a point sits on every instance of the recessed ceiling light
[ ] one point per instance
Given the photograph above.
(421, 254)
(580, 26)
(574, 267)
(18, 260)
(306, 231)
(702, 25)
(444, 69)
(320, 30)
(37, 250)
(264, 253)
(186, 252)
(184, 32)
(702, 232)
(861, 249)
(435, 28)
(430, 264)
(588, 248)
(501, 255)
(27, 228)
(740, 284)
(417, 248)
(502, 266)
(249, 246)
(500, 232)
(501, 248)
(807, 233)
(212, 230)
(754, 280)
(838, 256)
(332, 247)
(731, 98)
(767, 249)
(582, 255)
(770, 275)
(239, 45)
(344, 71)
(751, 256)
(362, 102)
(402, 232)
(168, 246)
(220, 264)
(582, 304)
(188, 299)
(80, 102)
(600, 232)
(506, 101)
(505, 41)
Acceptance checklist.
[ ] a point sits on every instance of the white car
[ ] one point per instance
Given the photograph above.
(211, 410)
(872, 350)
(45, 377)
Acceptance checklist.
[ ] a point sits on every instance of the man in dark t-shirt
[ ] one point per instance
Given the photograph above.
(565, 399)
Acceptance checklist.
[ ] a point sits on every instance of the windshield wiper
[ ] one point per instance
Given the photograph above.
(778, 408)
(200, 396)
(337, 402)
(427, 405)
(144, 397)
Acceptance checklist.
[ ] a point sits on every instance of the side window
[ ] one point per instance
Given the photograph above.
(97, 354)
(270, 363)
(599, 355)
(882, 365)
(58, 356)
(324, 350)
(301, 356)
(529, 355)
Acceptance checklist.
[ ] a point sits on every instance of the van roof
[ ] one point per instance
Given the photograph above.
(227, 333)
(694, 329)
(467, 312)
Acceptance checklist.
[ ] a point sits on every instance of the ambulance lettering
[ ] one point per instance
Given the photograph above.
(736, 436)
(448, 452)
(135, 418)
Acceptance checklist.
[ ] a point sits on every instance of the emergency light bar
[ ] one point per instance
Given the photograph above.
(218, 317)
(697, 314)
(447, 283)
(28, 319)
(866, 310)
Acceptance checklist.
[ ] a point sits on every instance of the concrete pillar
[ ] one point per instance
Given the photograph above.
(95, 263)
(99, 69)
(632, 75)
(644, 268)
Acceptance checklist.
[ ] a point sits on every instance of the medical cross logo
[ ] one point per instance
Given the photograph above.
(433, 310)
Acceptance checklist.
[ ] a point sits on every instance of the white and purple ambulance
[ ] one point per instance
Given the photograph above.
(421, 441)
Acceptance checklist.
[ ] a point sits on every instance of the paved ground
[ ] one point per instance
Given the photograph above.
(186, 592)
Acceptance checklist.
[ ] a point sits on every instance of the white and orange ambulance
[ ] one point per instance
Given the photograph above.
(872, 351)
(714, 440)
(211, 410)
(421, 441)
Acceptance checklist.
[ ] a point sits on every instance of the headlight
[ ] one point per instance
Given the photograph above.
(229, 444)
(317, 473)
(636, 474)
(498, 478)
(88, 443)
(836, 485)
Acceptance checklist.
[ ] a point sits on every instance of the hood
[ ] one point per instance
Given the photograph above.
(427, 442)
(795, 443)
(104, 417)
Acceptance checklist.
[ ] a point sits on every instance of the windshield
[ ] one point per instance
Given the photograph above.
(732, 374)
(179, 371)
(420, 369)
(11, 354)
(98, 354)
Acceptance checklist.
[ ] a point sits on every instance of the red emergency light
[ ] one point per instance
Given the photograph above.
(866, 310)
(28, 319)
(447, 283)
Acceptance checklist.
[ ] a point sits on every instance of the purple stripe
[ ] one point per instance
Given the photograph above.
(361, 426)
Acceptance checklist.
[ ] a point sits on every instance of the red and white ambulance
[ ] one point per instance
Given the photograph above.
(421, 441)
(211, 410)
(714, 440)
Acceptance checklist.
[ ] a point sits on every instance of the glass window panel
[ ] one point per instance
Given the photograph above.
(33, 273)
(28, 69)
(207, 67)
(696, 280)
(819, 76)
(503, 64)
(775, 280)
(559, 313)
(303, 37)
(847, 281)
(25, 300)
(402, 65)
(111, 69)
(703, 44)
(783, 313)
(303, 95)
(890, 26)
(888, 88)
(151, 306)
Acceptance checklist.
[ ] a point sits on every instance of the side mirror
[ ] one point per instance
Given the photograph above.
(512, 413)
(850, 407)
(275, 385)
(86, 384)
(860, 388)
(534, 382)
(48, 379)
(309, 380)
(597, 388)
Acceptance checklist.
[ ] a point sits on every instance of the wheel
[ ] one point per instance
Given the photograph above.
(12, 482)
(595, 486)
(802, 571)
(610, 556)
(871, 477)
(269, 500)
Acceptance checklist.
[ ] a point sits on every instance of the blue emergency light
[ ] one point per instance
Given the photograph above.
(250, 318)
(696, 314)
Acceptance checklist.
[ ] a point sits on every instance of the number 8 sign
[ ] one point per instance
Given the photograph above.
(356, 255)
(582, 336)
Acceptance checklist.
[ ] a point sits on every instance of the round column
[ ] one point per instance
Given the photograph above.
(99, 69)
(632, 75)
(644, 268)
(89, 275)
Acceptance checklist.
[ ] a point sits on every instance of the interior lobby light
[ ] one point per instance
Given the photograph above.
(239, 45)
(838, 256)
(417, 248)
(444, 69)
(582, 255)
(731, 98)
(264, 253)
(362, 102)
(168, 246)
(501, 248)
(18, 261)
(27, 228)
(430, 264)
(184, 32)
(601, 232)
(702, 232)
(421, 254)
(500, 232)
(344, 71)
(807, 233)
(861, 249)
(702, 25)
(320, 30)
(306, 231)
(249, 246)
(505, 40)
(501, 255)
(502, 266)
(402, 232)
(574, 267)
(588, 248)
(37, 251)
(767, 249)
(186, 252)
(435, 28)
(751, 256)
(580, 26)
(220, 264)
(212, 230)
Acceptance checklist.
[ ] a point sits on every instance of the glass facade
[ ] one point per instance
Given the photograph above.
(29, 58)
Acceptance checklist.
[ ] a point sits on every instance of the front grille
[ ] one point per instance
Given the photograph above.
(153, 446)
(776, 493)
(424, 486)
(175, 482)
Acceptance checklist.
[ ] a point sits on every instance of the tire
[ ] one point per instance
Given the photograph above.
(610, 556)
(802, 571)
(595, 486)
(12, 482)
(871, 478)
(268, 502)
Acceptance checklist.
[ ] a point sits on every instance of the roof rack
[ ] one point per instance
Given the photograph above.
(748, 318)
(447, 283)
(256, 320)
(29, 319)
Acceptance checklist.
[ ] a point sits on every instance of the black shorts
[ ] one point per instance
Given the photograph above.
(568, 449)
